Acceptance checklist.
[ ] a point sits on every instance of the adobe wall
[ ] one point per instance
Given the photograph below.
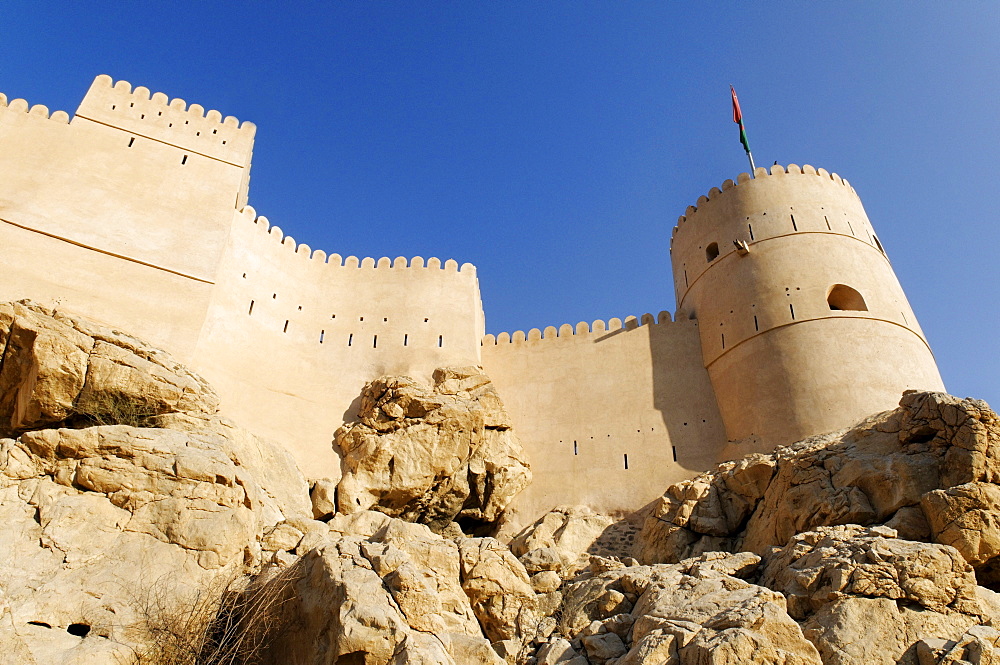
(134, 192)
(783, 363)
(292, 335)
(584, 398)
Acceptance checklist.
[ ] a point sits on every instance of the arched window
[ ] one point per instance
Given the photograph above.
(843, 297)
(712, 252)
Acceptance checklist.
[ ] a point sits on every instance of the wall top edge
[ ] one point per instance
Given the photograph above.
(581, 329)
(303, 250)
(760, 173)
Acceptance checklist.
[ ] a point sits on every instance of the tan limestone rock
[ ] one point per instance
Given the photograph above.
(561, 539)
(820, 566)
(432, 454)
(499, 589)
(60, 368)
(877, 472)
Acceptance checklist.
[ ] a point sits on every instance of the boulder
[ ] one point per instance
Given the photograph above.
(432, 454)
(59, 369)
(560, 540)
(379, 590)
(499, 589)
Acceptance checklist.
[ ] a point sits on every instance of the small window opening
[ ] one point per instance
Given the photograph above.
(385, 319)
(791, 309)
(904, 318)
(575, 449)
(322, 334)
(794, 227)
(251, 308)
(440, 340)
(723, 340)
(750, 226)
(223, 143)
(131, 105)
(274, 296)
(361, 318)
(159, 113)
(197, 133)
(686, 278)
(850, 227)
(374, 341)
(333, 316)
(215, 131)
(426, 320)
(712, 252)
(112, 107)
(406, 339)
(674, 449)
(184, 159)
(843, 297)
(626, 461)
(877, 243)
(142, 117)
(285, 329)
(756, 326)
(131, 141)
(828, 227)
(244, 275)
(350, 339)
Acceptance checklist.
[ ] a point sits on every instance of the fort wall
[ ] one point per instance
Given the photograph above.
(292, 335)
(609, 413)
(805, 320)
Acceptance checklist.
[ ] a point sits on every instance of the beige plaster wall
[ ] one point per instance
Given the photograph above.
(321, 327)
(582, 398)
(783, 364)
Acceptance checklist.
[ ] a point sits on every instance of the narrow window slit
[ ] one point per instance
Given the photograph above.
(723, 340)
(374, 341)
(440, 340)
(792, 310)
(322, 334)
(285, 329)
(750, 226)
(406, 339)
(626, 461)
(794, 227)
(850, 227)
(674, 449)
(184, 159)
(828, 227)
(756, 326)
(575, 451)
(251, 308)
(686, 278)
(350, 338)
(131, 141)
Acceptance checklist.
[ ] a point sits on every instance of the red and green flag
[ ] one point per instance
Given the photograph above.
(738, 119)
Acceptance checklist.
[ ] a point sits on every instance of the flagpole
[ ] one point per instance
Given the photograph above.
(753, 167)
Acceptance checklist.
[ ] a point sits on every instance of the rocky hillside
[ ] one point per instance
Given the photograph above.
(139, 526)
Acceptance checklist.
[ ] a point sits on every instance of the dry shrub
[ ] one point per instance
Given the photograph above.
(110, 408)
(230, 622)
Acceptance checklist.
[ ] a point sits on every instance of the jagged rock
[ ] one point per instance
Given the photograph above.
(560, 540)
(432, 454)
(865, 475)
(58, 368)
(833, 562)
(323, 494)
(380, 590)
(979, 645)
(693, 612)
(499, 589)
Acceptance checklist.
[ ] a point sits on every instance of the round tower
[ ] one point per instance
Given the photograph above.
(804, 327)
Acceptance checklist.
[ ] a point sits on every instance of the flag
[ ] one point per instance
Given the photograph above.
(738, 119)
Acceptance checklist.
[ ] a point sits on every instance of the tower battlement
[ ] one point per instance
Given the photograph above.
(170, 121)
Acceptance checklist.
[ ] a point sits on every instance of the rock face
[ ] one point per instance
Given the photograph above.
(918, 468)
(432, 455)
(98, 518)
(58, 368)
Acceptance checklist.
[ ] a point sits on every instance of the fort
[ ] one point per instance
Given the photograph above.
(790, 321)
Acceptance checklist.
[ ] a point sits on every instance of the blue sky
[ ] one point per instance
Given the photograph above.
(554, 144)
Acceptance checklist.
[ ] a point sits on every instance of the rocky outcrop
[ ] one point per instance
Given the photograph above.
(58, 369)
(432, 454)
(377, 590)
(930, 468)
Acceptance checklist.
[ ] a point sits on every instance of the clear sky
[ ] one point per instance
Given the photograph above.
(553, 144)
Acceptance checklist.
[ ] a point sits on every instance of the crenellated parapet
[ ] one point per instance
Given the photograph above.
(36, 111)
(306, 253)
(761, 172)
(170, 121)
(581, 329)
